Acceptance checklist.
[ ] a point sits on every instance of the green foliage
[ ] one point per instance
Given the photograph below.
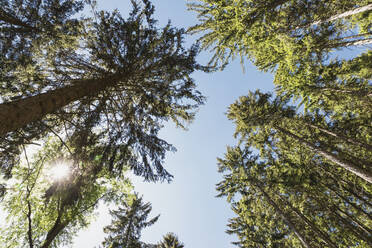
(317, 133)
(298, 190)
(292, 191)
(170, 240)
(31, 32)
(46, 212)
(271, 32)
(145, 72)
(128, 222)
(295, 39)
(339, 88)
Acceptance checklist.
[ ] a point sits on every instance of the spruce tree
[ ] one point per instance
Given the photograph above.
(170, 240)
(31, 32)
(129, 78)
(278, 120)
(297, 40)
(295, 191)
(269, 32)
(128, 222)
(281, 201)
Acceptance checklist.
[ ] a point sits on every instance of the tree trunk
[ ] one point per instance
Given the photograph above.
(362, 42)
(357, 196)
(355, 93)
(53, 232)
(127, 235)
(345, 14)
(352, 228)
(347, 186)
(346, 200)
(364, 174)
(10, 19)
(323, 235)
(284, 216)
(19, 113)
(363, 230)
(355, 36)
(356, 221)
(29, 232)
(340, 136)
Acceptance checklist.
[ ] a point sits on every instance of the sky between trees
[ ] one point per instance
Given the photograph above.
(98, 92)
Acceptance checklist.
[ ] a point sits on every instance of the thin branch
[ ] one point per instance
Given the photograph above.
(56, 134)
(29, 232)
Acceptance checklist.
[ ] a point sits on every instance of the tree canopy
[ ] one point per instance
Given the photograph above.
(271, 32)
(295, 167)
(299, 41)
(93, 93)
(117, 87)
(298, 179)
(45, 210)
(170, 240)
(128, 222)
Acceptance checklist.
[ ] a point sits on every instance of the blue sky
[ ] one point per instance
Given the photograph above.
(188, 206)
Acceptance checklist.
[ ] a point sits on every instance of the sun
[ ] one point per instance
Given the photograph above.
(59, 172)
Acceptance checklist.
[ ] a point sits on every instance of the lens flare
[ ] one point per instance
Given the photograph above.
(59, 172)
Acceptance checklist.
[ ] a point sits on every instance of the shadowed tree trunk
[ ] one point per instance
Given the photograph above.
(29, 232)
(314, 228)
(346, 200)
(54, 231)
(358, 233)
(350, 188)
(364, 174)
(10, 19)
(16, 114)
(283, 215)
(359, 229)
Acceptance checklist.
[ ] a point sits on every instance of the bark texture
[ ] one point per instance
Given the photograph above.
(17, 114)
(345, 14)
(340, 136)
(360, 172)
